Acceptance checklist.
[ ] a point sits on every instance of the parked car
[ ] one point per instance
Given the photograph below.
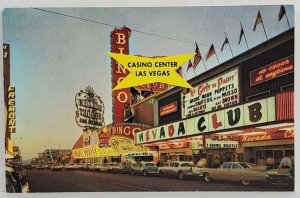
(119, 168)
(283, 175)
(70, 167)
(233, 171)
(40, 166)
(104, 167)
(144, 168)
(178, 169)
(94, 167)
(57, 167)
(13, 183)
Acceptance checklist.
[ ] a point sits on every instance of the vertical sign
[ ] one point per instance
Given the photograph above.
(119, 44)
(11, 110)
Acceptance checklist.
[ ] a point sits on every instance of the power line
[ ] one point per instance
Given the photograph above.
(114, 26)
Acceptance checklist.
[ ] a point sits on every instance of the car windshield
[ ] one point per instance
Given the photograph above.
(244, 165)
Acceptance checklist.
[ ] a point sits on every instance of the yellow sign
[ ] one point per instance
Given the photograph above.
(118, 145)
(144, 70)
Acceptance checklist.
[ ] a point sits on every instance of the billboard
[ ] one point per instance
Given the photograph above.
(221, 91)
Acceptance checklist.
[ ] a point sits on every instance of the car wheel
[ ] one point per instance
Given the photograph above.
(132, 172)
(145, 173)
(207, 177)
(161, 174)
(180, 175)
(245, 182)
(112, 170)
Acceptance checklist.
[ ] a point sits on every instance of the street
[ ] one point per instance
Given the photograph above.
(85, 181)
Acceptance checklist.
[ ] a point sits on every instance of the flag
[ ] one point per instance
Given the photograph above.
(241, 34)
(281, 12)
(225, 42)
(179, 71)
(190, 65)
(210, 52)
(258, 20)
(197, 57)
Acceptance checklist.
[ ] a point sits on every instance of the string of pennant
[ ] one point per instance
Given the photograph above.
(198, 57)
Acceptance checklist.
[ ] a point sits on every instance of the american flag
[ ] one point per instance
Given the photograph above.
(197, 57)
(190, 65)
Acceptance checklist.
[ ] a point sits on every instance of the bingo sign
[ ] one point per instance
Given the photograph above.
(126, 130)
(216, 93)
(90, 109)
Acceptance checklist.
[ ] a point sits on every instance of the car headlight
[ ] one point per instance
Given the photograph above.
(267, 174)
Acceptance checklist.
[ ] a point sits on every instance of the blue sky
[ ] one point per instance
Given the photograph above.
(53, 57)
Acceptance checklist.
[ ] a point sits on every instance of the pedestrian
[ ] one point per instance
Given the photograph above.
(286, 162)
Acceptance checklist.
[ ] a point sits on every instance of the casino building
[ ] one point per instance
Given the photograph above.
(241, 110)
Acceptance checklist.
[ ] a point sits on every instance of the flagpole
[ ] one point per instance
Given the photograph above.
(217, 57)
(245, 36)
(229, 44)
(287, 20)
(264, 29)
(204, 64)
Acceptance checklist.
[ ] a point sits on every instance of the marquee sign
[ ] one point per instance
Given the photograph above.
(11, 113)
(90, 109)
(277, 135)
(256, 112)
(219, 92)
(118, 146)
(127, 130)
(119, 44)
(274, 70)
(221, 141)
(167, 109)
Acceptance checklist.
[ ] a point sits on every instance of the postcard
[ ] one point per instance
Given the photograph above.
(149, 99)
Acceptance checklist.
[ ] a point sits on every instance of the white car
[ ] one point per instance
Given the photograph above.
(178, 169)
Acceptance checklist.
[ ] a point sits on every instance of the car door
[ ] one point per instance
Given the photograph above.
(222, 173)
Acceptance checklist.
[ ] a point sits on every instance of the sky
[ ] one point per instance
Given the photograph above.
(53, 56)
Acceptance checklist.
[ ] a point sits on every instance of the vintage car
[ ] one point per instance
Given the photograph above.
(144, 168)
(119, 168)
(94, 167)
(103, 167)
(57, 167)
(178, 169)
(13, 183)
(70, 167)
(40, 166)
(233, 171)
(283, 175)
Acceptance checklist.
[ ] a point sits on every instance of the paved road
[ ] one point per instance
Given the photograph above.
(84, 181)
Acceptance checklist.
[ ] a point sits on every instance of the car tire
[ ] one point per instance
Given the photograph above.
(180, 175)
(112, 171)
(161, 174)
(132, 172)
(144, 173)
(207, 177)
(245, 182)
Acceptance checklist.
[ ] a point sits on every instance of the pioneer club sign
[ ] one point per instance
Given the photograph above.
(221, 91)
(119, 44)
(279, 68)
(248, 114)
(90, 109)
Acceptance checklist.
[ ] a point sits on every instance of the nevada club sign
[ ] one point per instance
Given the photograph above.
(248, 114)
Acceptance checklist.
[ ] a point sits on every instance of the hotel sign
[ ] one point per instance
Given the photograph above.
(248, 114)
(90, 109)
(219, 92)
(274, 70)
